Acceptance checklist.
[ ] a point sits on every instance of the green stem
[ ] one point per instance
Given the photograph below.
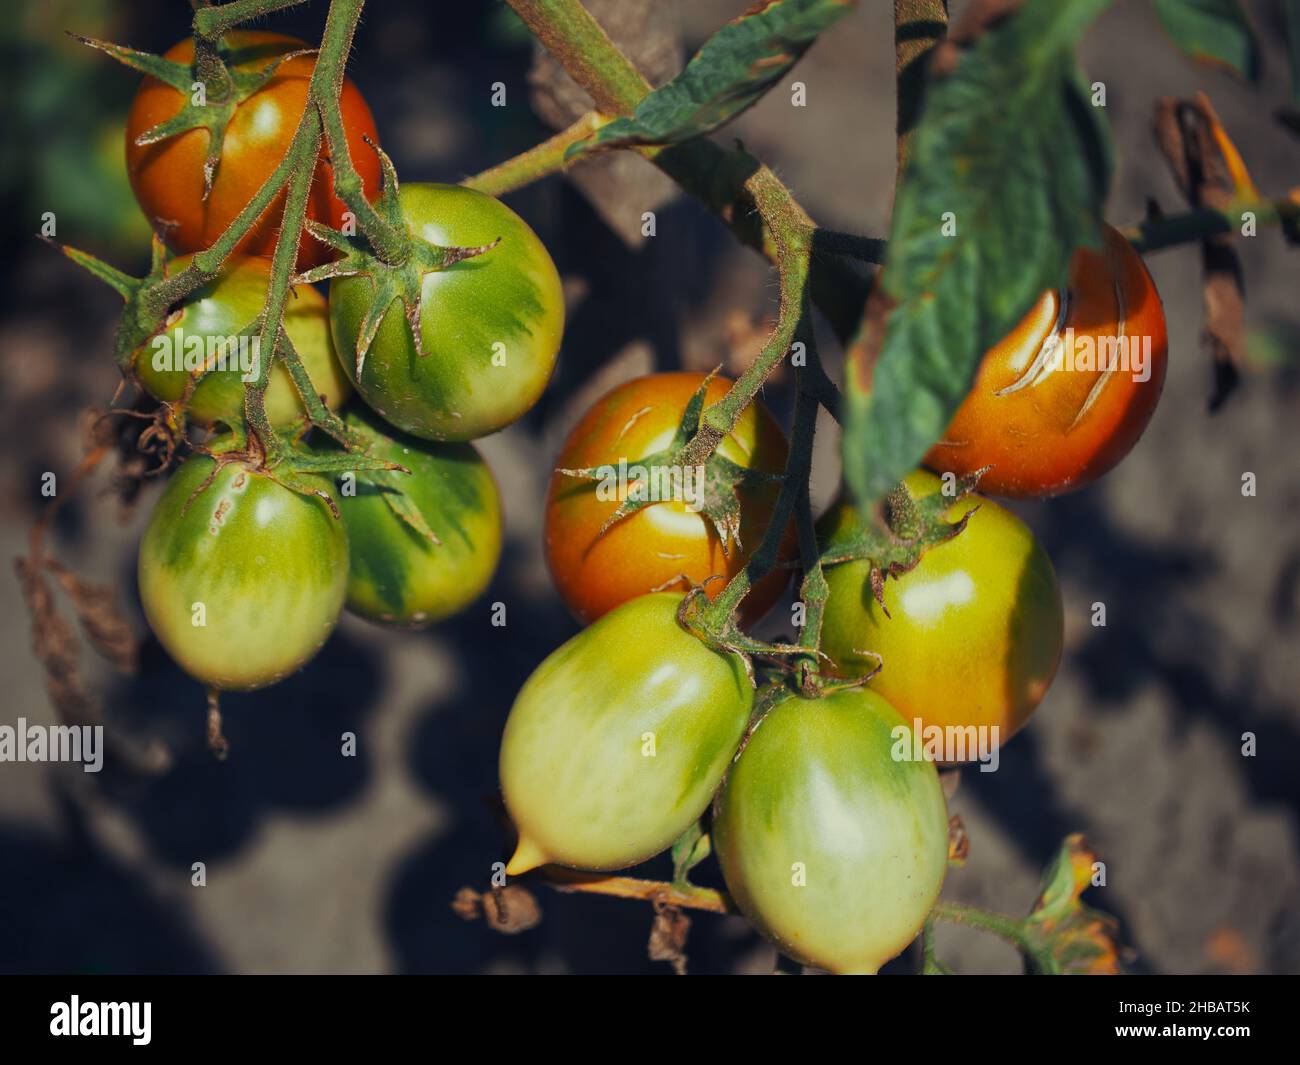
(537, 162)
(792, 232)
(213, 22)
(723, 180)
(794, 486)
(389, 243)
(568, 31)
(1010, 929)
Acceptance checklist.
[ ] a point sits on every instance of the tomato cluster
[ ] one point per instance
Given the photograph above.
(830, 831)
(244, 569)
(827, 814)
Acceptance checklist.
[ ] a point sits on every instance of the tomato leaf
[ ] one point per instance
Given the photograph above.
(733, 70)
(1062, 935)
(1213, 31)
(1008, 172)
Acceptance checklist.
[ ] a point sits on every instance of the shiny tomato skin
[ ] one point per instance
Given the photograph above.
(1054, 431)
(268, 566)
(617, 741)
(223, 308)
(832, 847)
(974, 632)
(167, 177)
(595, 572)
(490, 325)
(396, 576)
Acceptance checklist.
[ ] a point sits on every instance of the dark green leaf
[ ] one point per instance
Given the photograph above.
(1212, 31)
(736, 66)
(1012, 153)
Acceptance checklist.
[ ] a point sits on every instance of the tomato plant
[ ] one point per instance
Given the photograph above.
(218, 312)
(617, 741)
(971, 636)
(597, 567)
(241, 579)
(168, 175)
(1066, 395)
(490, 326)
(829, 844)
(677, 508)
(397, 575)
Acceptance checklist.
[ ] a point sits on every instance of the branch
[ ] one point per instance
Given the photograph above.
(1153, 234)
(539, 161)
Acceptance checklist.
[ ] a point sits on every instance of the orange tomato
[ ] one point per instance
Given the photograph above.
(1065, 396)
(167, 177)
(596, 571)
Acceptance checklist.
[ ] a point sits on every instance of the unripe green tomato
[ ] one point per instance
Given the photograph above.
(397, 576)
(834, 849)
(221, 309)
(616, 743)
(974, 632)
(242, 582)
(490, 325)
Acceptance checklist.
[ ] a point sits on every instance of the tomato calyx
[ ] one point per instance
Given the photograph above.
(907, 527)
(401, 279)
(216, 104)
(726, 636)
(718, 481)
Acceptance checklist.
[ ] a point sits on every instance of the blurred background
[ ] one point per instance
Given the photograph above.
(318, 863)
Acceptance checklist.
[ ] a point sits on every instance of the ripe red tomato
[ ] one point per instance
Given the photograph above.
(1048, 428)
(596, 571)
(167, 177)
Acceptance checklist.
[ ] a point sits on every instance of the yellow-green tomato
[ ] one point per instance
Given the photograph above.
(616, 743)
(831, 845)
(490, 326)
(974, 631)
(218, 312)
(243, 580)
(398, 576)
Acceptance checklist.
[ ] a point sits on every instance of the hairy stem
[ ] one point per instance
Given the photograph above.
(537, 162)
(389, 243)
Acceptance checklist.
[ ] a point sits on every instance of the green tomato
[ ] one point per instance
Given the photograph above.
(973, 633)
(831, 846)
(221, 309)
(397, 576)
(617, 741)
(243, 580)
(490, 325)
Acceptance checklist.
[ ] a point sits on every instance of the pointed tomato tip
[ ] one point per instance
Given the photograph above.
(528, 856)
